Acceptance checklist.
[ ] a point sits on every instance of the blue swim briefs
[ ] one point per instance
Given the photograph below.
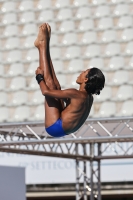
(56, 130)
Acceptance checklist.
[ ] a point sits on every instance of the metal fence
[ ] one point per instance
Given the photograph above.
(90, 143)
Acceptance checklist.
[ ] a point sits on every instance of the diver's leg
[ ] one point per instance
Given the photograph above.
(58, 86)
(53, 106)
(50, 60)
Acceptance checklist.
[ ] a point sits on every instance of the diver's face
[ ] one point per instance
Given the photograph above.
(82, 77)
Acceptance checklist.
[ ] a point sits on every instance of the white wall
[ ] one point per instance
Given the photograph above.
(56, 170)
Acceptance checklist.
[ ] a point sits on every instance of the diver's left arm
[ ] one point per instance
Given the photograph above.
(60, 94)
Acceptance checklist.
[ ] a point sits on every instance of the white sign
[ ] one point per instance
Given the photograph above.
(41, 169)
(48, 170)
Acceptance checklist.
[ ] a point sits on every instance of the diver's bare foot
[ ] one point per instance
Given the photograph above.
(43, 36)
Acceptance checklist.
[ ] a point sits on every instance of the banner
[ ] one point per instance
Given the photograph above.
(48, 170)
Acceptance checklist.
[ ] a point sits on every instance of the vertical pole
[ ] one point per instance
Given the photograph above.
(85, 172)
(99, 175)
(77, 174)
(91, 172)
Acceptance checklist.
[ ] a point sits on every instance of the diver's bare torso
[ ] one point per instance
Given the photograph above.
(76, 112)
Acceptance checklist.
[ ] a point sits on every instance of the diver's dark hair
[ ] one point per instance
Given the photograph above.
(96, 81)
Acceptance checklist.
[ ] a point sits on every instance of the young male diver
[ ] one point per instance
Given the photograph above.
(64, 118)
